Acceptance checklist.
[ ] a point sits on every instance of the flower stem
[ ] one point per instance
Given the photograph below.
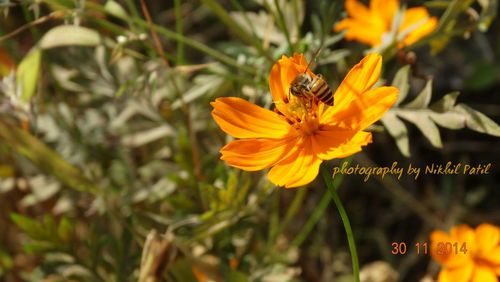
(345, 220)
(318, 212)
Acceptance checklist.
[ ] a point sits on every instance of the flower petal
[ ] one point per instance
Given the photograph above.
(257, 154)
(493, 257)
(449, 259)
(356, 10)
(242, 119)
(385, 9)
(283, 73)
(417, 23)
(484, 274)
(363, 24)
(367, 109)
(457, 274)
(487, 237)
(359, 80)
(339, 143)
(365, 32)
(464, 234)
(437, 237)
(298, 169)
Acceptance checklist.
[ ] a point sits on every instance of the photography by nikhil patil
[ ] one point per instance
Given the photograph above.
(242, 141)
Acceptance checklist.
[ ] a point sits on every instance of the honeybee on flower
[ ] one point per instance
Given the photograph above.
(294, 140)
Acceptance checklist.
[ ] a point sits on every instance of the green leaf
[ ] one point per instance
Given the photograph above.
(423, 98)
(443, 113)
(27, 74)
(116, 10)
(69, 35)
(39, 247)
(236, 276)
(425, 125)
(401, 82)
(446, 103)
(28, 225)
(450, 120)
(398, 131)
(478, 121)
(65, 229)
(6, 261)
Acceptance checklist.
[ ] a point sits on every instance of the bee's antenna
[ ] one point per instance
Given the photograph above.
(313, 58)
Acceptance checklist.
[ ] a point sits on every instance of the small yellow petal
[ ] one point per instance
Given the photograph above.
(458, 274)
(359, 31)
(357, 10)
(450, 259)
(492, 256)
(417, 23)
(464, 234)
(487, 237)
(386, 9)
(484, 274)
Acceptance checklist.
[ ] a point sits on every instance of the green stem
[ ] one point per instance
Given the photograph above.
(318, 212)
(178, 29)
(345, 220)
(311, 222)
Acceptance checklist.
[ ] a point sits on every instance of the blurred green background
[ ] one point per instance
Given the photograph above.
(109, 158)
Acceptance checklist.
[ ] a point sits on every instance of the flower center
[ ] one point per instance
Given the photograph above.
(300, 112)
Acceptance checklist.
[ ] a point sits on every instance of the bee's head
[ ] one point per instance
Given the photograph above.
(300, 84)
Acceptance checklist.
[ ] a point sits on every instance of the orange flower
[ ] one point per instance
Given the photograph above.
(481, 261)
(372, 25)
(295, 138)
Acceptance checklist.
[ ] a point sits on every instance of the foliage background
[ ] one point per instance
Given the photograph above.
(107, 142)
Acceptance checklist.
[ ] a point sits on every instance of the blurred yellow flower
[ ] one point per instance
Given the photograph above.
(294, 139)
(373, 25)
(479, 263)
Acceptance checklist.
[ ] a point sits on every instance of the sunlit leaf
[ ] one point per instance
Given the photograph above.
(401, 82)
(423, 99)
(478, 121)
(27, 74)
(115, 9)
(69, 35)
(425, 125)
(398, 131)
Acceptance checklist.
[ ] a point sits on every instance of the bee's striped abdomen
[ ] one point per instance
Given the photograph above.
(321, 90)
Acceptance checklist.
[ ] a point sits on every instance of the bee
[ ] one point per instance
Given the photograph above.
(308, 88)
